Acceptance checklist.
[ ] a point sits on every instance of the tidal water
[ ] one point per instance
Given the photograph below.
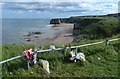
(14, 29)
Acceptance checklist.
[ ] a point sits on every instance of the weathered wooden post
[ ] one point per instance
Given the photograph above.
(106, 43)
(28, 63)
(76, 50)
(70, 47)
(64, 48)
(35, 57)
(36, 48)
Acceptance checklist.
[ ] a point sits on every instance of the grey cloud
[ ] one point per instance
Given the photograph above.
(59, 7)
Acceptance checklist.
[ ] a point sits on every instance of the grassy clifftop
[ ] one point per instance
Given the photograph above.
(96, 27)
(60, 66)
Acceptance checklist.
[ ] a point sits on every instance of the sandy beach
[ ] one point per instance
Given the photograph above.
(60, 35)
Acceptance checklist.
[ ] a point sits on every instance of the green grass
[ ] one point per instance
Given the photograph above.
(60, 66)
(103, 29)
(96, 27)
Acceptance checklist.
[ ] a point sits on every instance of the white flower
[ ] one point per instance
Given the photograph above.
(10, 72)
(99, 58)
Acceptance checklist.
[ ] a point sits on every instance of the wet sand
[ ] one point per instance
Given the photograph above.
(60, 35)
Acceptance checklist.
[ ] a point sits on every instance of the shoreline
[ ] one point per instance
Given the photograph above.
(60, 35)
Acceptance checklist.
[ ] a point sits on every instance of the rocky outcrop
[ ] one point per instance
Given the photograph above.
(55, 21)
(79, 26)
(70, 20)
(93, 27)
(114, 15)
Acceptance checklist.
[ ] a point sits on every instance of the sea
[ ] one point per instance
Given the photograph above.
(14, 29)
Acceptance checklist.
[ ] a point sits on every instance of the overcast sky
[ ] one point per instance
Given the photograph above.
(59, 9)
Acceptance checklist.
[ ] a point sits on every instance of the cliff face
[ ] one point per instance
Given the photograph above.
(79, 26)
(67, 20)
(55, 21)
(96, 28)
(70, 20)
(93, 27)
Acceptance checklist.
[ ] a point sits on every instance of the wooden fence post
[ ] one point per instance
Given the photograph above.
(34, 58)
(64, 47)
(106, 43)
(28, 64)
(76, 51)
